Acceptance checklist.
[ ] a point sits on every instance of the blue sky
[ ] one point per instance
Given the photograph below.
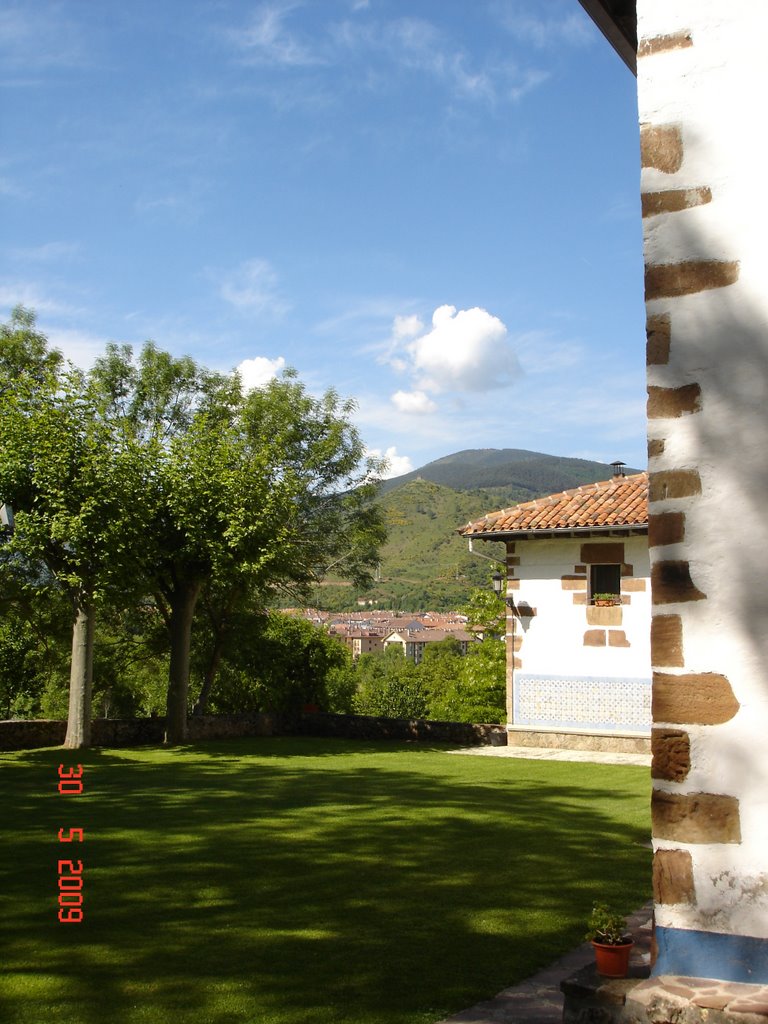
(430, 205)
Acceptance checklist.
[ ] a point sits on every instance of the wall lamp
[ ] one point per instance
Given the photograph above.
(499, 588)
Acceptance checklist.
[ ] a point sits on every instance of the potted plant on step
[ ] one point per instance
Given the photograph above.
(611, 941)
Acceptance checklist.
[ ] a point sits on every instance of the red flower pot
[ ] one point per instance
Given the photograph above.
(612, 961)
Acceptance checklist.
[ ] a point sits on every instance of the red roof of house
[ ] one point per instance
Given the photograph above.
(619, 502)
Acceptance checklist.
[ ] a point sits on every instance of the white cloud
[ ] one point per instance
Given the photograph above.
(397, 465)
(35, 37)
(253, 287)
(413, 402)
(377, 418)
(377, 51)
(184, 205)
(541, 353)
(558, 27)
(418, 46)
(466, 350)
(365, 316)
(80, 348)
(260, 370)
(267, 40)
(525, 82)
(166, 202)
(12, 189)
(29, 294)
(49, 252)
(407, 327)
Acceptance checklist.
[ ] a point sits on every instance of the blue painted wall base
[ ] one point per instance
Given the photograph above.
(712, 955)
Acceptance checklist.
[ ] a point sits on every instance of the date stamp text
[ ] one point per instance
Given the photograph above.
(70, 871)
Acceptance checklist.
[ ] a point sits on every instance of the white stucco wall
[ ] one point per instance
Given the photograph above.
(715, 90)
(553, 640)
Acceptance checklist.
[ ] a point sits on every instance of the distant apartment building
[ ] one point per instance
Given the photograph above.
(415, 641)
(362, 643)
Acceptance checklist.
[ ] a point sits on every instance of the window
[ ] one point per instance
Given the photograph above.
(604, 579)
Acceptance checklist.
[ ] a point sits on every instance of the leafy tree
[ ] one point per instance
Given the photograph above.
(283, 664)
(19, 681)
(486, 613)
(230, 634)
(33, 640)
(159, 477)
(477, 692)
(130, 661)
(389, 685)
(340, 688)
(74, 484)
(24, 350)
(29, 629)
(244, 492)
(72, 480)
(224, 620)
(439, 669)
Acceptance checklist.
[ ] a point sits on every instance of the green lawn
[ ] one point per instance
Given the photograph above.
(300, 881)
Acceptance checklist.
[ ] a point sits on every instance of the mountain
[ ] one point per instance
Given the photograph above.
(425, 565)
(511, 469)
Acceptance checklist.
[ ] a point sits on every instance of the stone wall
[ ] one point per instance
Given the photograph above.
(522, 736)
(112, 732)
(701, 72)
(371, 728)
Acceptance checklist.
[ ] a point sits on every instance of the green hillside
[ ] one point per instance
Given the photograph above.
(425, 565)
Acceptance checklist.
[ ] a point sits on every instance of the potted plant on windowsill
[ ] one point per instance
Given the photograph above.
(606, 600)
(611, 941)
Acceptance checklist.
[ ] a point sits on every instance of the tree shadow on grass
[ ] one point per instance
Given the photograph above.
(246, 884)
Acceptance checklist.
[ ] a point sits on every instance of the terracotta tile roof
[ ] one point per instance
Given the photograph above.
(620, 502)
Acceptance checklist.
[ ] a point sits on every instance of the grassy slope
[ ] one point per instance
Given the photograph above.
(305, 881)
(425, 564)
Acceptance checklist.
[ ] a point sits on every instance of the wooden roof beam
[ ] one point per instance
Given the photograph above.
(617, 20)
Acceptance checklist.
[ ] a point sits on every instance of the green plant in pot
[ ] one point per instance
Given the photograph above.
(611, 941)
(605, 599)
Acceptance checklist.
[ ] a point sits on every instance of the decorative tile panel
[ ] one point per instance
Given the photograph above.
(577, 702)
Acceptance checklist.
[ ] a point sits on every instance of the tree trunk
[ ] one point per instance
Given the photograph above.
(210, 674)
(219, 620)
(182, 604)
(81, 677)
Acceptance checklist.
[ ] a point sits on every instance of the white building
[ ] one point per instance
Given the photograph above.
(362, 642)
(702, 79)
(578, 626)
(414, 642)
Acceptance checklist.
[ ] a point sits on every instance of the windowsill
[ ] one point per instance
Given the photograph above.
(607, 615)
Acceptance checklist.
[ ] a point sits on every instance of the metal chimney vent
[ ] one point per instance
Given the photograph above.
(618, 468)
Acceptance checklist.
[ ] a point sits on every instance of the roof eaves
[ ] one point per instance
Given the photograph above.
(617, 20)
(624, 530)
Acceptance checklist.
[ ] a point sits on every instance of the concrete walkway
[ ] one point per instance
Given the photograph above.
(538, 999)
(552, 754)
